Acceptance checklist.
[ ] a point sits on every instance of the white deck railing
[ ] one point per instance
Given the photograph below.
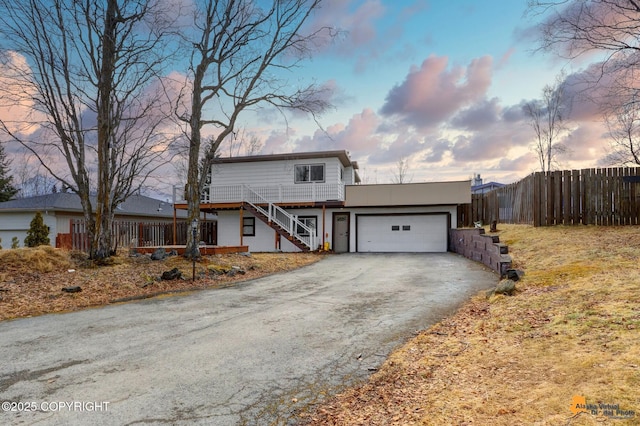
(310, 192)
(290, 223)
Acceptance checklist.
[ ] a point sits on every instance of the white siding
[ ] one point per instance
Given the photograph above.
(349, 176)
(264, 240)
(229, 226)
(280, 172)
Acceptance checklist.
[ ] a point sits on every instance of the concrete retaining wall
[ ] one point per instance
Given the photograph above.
(487, 249)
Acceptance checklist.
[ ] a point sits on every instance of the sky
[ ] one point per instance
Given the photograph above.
(437, 84)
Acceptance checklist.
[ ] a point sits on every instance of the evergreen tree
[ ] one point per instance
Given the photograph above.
(7, 190)
(38, 233)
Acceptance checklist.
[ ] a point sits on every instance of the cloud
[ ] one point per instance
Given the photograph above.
(359, 136)
(436, 151)
(431, 94)
(523, 164)
(504, 60)
(357, 25)
(403, 146)
(17, 109)
(478, 116)
(587, 142)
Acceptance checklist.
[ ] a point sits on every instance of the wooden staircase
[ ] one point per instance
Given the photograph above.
(279, 229)
(284, 223)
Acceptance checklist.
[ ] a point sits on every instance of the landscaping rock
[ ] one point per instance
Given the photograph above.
(217, 270)
(238, 270)
(72, 289)
(507, 287)
(172, 253)
(514, 274)
(159, 254)
(173, 274)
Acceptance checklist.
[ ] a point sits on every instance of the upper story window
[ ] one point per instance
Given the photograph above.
(309, 173)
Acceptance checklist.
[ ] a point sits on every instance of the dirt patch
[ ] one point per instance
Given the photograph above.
(32, 280)
(570, 331)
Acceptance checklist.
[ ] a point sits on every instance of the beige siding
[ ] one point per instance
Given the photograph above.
(16, 224)
(410, 194)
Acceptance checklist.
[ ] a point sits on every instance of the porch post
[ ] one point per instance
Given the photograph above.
(175, 238)
(324, 213)
(241, 226)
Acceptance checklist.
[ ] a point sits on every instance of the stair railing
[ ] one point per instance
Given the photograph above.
(276, 214)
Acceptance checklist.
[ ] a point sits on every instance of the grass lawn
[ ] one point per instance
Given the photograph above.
(566, 342)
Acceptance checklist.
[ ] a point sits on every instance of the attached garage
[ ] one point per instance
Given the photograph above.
(402, 232)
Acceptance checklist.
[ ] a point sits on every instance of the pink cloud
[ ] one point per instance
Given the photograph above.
(522, 165)
(431, 94)
(587, 142)
(504, 60)
(17, 107)
(359, 136)
(357, 25)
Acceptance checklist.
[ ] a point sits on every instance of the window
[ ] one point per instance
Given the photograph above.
(309, 173)
(309, 221)
(406, 227)
(395, 227)
(248, 226)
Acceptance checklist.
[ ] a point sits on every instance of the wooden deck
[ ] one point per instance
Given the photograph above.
(204, 250)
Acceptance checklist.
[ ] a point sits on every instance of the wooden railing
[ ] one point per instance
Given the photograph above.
(126, 234)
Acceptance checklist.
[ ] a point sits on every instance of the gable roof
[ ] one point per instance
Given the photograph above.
(135, 205)
(488, 185)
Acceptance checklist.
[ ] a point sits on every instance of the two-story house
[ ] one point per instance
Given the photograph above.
(312, 200)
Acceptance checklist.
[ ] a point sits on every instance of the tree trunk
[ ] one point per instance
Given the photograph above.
(192, 190)
(101, 244)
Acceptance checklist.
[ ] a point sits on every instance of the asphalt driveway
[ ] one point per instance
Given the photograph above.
(248, 354)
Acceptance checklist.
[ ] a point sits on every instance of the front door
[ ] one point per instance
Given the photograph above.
(341, 232)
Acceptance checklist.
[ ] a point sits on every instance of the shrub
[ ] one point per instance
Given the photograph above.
(15, 243)
(38, 233)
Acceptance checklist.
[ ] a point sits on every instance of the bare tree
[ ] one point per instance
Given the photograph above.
(243, 142)
(624, 129)
(547, 119)
(241, 55)
(610, 31)
(573, 28)
(402, 171)
(85, 68)
(31, 178)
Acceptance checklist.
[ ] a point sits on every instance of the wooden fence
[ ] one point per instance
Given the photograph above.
(140, 234)
(607, 197)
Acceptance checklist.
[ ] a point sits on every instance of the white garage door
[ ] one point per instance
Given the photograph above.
(402, 233)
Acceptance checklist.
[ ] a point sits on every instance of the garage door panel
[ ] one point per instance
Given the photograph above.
(402, 233)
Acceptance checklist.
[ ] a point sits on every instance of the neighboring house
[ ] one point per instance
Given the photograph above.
(60, 209)
(311, 200)
(477, 187)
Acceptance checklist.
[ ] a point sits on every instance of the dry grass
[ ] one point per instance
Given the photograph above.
(31, 279)
(572, 329)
